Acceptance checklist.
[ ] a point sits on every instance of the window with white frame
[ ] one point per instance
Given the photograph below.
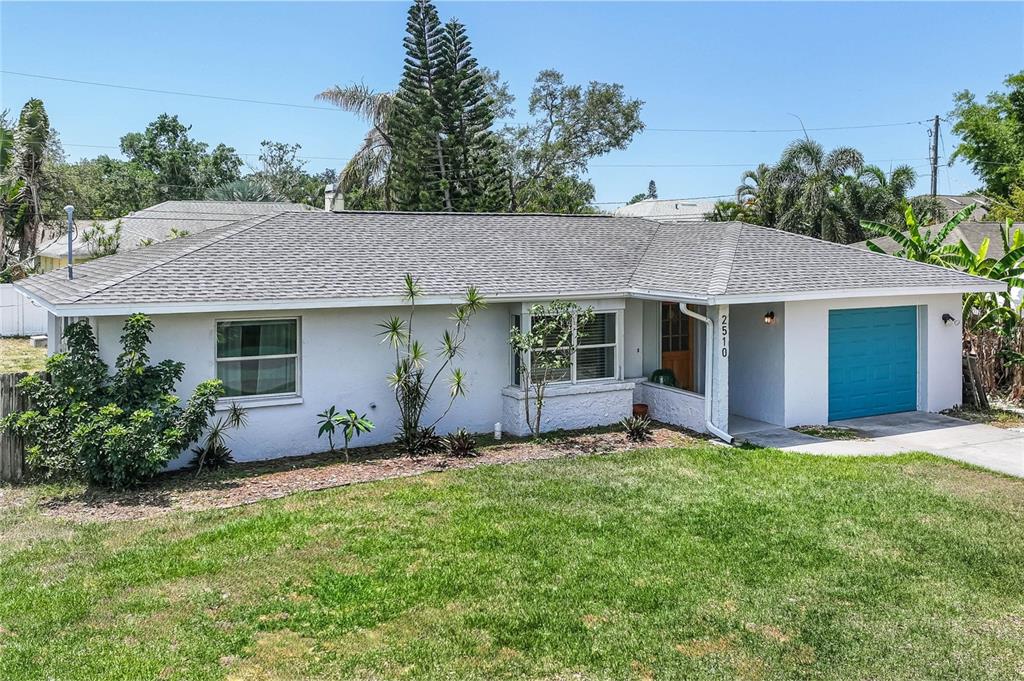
(595, 357)
(258, 357)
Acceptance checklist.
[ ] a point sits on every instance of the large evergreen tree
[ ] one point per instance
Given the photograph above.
(420, 167)
(467, 116)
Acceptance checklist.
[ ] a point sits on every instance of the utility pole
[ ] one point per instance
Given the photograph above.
(935, 156)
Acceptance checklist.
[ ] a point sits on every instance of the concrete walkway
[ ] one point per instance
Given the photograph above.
(994, 448)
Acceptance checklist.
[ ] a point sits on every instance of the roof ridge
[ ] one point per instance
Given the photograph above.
(231, 229)
(470, 213)
(718, 284)
(640, 260)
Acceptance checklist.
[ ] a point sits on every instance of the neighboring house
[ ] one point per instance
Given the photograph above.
(971, 233)
(754, 323)
(952, 205)
(667, 210)
(158, 223)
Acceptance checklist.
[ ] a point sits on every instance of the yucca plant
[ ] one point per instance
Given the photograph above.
(411, 380)
(214, 453)
(637, 428)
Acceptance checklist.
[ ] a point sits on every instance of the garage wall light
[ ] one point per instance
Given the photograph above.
(948, 319)
(769, 317)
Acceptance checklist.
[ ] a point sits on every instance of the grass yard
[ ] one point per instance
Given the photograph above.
(671, 563)
(17, 354)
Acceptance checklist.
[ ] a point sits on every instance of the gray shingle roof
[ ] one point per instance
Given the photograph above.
(156, 222)
(972, 233)
(329, 256)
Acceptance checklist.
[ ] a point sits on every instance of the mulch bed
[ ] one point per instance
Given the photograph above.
(247, 483)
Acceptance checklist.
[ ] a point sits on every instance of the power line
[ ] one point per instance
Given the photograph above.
(292, 105)
(178, 93)
(788, 130)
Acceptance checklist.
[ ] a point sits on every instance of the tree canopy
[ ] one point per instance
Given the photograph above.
(432, 144)
(992, 135)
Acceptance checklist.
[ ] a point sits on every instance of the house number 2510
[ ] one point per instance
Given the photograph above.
(725, 335)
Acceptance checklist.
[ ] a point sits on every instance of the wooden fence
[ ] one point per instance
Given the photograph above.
(12, 451)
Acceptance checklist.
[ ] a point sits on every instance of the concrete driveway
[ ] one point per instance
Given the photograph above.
(994, 448)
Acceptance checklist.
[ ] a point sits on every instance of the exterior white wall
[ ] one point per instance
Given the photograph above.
(19, 316)
(342, 362)
(806, 353)
(672, 406)
(633, 339)
(757, 363)
(569, 407)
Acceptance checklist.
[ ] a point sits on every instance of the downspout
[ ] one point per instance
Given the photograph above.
(708, 382)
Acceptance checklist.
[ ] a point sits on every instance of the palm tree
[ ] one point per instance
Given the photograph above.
(369, 169)
(758, 192)
(25, 172)
(246, 189)
(813, 188)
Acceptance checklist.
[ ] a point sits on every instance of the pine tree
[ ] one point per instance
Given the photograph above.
(467, 116)
(419, 164)
(652, 190)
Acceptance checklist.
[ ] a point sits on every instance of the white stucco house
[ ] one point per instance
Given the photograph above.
(749, 322)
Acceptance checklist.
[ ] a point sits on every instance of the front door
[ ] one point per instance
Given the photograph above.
(676, 344)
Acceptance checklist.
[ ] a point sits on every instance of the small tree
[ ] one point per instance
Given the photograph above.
(352, 425)
(410, 379)
(114, 430)
(546, 350)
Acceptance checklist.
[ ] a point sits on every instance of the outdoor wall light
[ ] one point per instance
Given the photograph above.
(769, 317)
(948, 319)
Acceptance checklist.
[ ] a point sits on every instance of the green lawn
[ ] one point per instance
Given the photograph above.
(17, 354)
(709, 562)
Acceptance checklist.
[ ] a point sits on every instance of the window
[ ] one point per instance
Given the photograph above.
(595, 352)
(258, 356)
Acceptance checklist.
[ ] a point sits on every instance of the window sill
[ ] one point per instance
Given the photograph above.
(256, 401)
(580, 388)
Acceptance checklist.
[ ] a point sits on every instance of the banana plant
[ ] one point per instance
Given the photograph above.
(1000, 310)
(915, 244)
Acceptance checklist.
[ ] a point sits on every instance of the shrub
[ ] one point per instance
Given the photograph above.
(638, 428)
(214, 452)
(113, 430)
(460, 443)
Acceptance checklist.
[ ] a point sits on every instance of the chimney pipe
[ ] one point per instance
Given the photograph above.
(70, 210)
(331, 197)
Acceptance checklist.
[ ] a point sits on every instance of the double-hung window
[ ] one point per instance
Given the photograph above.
(595, 357)
(258, 357)
(595, 348)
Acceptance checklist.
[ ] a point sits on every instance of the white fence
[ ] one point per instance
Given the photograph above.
(19, 316)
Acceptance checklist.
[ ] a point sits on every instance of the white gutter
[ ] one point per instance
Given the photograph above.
(708, 382)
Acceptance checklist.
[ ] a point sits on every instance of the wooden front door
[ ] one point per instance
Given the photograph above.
(677, 345)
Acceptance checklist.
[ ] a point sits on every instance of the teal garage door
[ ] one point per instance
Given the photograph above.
(872, 361)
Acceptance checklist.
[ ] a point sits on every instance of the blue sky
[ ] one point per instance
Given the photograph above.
(727, 65)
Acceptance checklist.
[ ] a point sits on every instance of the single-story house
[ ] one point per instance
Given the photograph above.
(753, 323)
(156, 223)
(667, 210)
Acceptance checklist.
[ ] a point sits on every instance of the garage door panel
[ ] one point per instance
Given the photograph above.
(872, 361)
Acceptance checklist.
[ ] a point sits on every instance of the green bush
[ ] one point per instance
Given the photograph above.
(113, 430)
